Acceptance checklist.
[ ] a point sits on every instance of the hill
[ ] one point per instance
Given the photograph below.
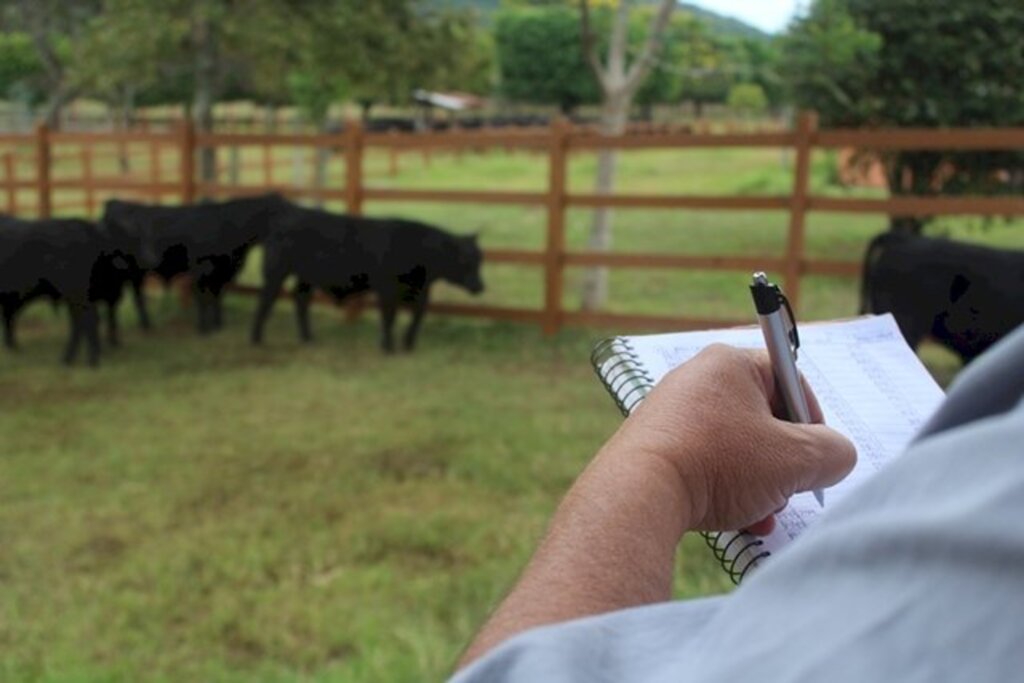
(721, 25)
(718, 24)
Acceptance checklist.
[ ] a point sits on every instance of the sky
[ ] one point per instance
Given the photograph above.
(768, 15)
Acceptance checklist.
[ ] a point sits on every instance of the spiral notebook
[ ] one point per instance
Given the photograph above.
(871, 386)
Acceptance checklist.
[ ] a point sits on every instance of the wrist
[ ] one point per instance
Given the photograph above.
(649, 488)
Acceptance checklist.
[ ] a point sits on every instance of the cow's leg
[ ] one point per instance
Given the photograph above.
(271, 287)
(76, 315)
(8, 314)
(387, 302)
(112, 337)
(139, 294)
(201, 294)
(303, 295)
(217, 302)
(91, 323)
(419, 308)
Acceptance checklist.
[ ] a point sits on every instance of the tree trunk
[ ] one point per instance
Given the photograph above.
(619, 84)
(125, 109)
(320, 160)
(298, 157)
(54, 106)
(203, 101)
(270, 118)
(614, 114)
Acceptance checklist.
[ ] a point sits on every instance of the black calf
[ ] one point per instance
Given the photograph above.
(208, 241)
(342, 255)
(56, 258)
(965, 296)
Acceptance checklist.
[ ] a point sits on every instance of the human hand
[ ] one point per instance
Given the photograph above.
(717, 420)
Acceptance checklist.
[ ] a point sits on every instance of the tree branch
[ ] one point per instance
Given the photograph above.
(33, 16)
(639, 70)
(617, 49)
(589, 45)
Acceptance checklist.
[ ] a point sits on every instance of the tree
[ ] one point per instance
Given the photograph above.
(747, 99)
(52, 26)
(619, 79)
(901, 63)
(194, 49)
(21, 72)
(539, 58)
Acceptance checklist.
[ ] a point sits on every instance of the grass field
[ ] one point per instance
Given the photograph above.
(200, 510)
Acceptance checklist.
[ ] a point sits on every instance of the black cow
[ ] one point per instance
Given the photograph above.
(396, 259)
(69, 260)
(208, 241)
(965, 296)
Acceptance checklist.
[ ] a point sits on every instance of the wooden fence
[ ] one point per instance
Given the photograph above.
(557, 143)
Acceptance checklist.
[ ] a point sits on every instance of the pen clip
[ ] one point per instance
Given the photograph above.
(792, 334)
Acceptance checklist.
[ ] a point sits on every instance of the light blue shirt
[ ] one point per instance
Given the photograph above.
(918, 575)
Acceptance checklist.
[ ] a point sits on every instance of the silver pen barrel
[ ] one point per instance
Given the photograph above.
(771, 314)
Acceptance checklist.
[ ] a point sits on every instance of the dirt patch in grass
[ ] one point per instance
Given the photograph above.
(423, 461)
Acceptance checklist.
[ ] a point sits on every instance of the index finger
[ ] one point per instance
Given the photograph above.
(763, 362)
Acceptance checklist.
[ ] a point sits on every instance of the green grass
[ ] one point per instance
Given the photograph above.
(198, 509)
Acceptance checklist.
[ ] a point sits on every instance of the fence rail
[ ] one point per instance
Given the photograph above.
(557, 143)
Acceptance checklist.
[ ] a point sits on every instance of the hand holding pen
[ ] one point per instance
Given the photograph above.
(782, 339)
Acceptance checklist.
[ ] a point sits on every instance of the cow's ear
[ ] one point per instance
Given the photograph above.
(958, 288)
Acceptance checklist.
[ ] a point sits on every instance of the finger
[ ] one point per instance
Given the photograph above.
(815, 456)
(762, 362)
(817, 416)
(763, 527)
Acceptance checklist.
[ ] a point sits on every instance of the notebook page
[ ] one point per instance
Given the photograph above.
(870, 384)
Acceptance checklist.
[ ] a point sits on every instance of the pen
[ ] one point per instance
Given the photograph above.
(781, 337)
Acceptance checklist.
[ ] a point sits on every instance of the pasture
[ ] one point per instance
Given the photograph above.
(201, 510)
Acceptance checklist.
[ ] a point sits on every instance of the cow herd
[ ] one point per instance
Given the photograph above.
(964, 296)
(86, 266)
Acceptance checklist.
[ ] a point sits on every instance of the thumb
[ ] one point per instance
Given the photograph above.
(818, 456)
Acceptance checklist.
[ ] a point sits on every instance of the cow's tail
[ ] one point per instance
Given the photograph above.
(871, 258)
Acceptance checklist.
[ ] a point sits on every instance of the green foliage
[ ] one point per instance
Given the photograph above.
(709, 63)
(540, 57)
(832, 65)
(902, 63)
(380, 51)
(747, 98)
(20, 68)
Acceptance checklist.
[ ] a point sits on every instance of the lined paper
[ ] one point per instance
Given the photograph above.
(871, 386)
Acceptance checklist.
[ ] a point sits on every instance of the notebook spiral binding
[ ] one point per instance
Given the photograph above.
(618, 367)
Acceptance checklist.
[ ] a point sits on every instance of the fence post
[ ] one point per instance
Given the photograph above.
(187, 143)
(554, 254)
(11, 174)
(353, 144)
(393, 155)
(154, 167)
(806, 126)
(87, 177)
(43, 169)
(268, 164)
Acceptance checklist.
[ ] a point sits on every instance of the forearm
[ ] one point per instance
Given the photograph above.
(703, 451)
(610, 545)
